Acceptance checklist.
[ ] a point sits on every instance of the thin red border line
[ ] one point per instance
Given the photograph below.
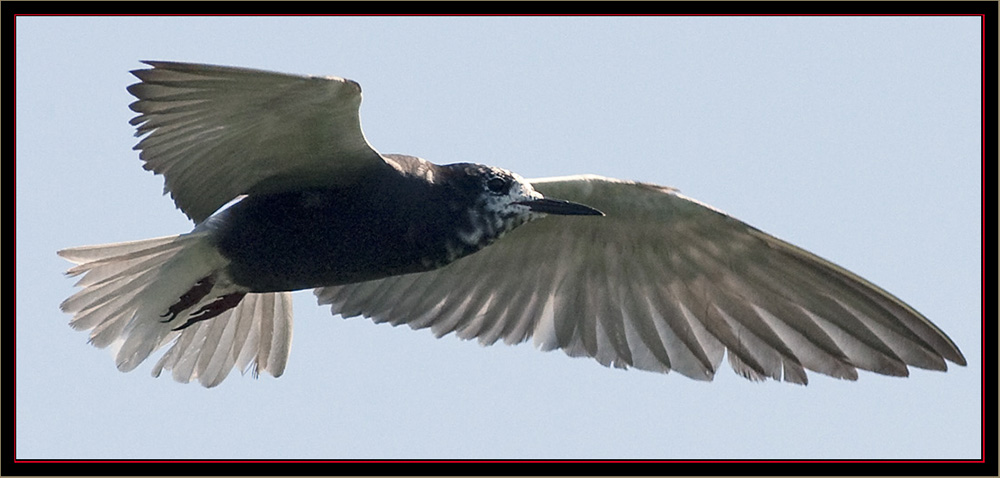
(982, 151)
(456, 461)
(982, 282)
(494, 460)
(981, 15)
(982, 238)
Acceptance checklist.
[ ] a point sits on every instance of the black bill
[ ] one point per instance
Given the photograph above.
(558, 206)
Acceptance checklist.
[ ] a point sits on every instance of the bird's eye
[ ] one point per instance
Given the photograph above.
(498, 185)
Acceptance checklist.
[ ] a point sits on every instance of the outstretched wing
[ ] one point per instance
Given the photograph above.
(661, 283)
(216, 132)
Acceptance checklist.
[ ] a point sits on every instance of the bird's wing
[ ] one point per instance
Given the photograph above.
(661, 283)
(216, 132)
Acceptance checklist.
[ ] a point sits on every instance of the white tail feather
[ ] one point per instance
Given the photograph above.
(235, 335)
(129, 287)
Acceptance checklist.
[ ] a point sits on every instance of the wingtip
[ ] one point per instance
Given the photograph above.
(957, 358)
(138, 71)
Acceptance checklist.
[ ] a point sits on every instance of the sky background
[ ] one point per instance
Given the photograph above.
(857, 138)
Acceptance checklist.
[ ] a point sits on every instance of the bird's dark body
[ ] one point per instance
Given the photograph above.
(391, 224)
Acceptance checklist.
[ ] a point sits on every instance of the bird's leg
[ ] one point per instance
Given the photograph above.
(214, 308)
(190, 298)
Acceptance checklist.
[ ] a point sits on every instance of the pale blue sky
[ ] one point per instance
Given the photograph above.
(857, 138)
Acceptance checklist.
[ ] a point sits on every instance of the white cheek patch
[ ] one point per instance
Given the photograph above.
(476, 234)
(496, 215)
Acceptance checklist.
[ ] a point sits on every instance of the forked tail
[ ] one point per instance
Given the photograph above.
(139, 296)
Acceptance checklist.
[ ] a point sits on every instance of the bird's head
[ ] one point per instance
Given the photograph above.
(500, 200)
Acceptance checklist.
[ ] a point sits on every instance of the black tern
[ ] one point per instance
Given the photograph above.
(287, 194)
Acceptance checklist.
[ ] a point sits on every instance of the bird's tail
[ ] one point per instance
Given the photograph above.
(139, 296)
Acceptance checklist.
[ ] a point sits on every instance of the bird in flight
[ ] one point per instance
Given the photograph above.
(286, 194)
